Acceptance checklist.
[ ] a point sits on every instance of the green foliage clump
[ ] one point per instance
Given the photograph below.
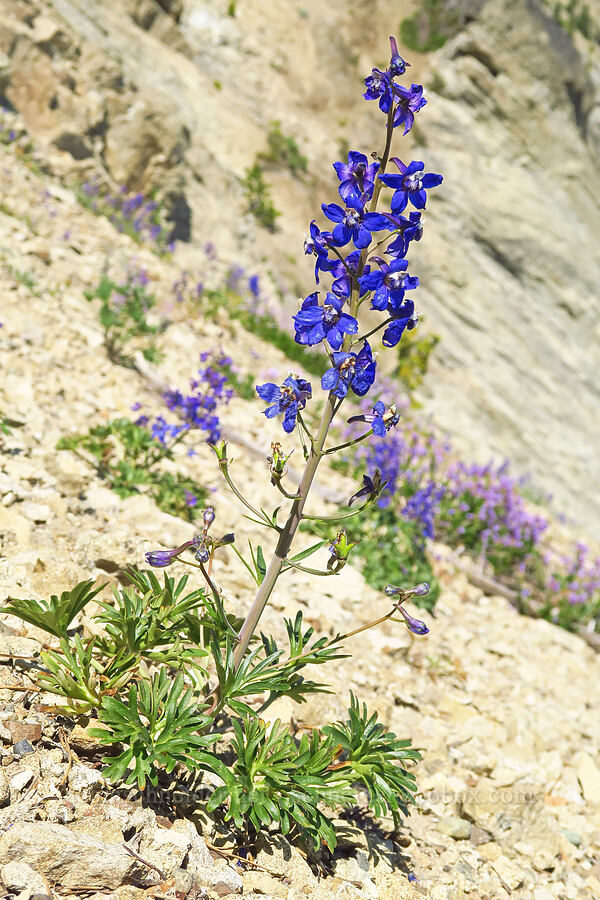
(258, 198)
(429, 27)
(264, 328)
(414, 353)
(574, 15)
(128, 457)
(283, 152)
(159, 676)
(123, 315)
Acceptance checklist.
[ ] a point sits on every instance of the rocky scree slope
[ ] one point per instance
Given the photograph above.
(509, 788)
(178, 97)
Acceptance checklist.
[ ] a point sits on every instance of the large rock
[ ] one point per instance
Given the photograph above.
(68, 859)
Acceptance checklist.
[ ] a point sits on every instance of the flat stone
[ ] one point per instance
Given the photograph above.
(21, 779)
(572, 836)
(85, 781)
(454, 827)
(589, 778)
(23, 731)
(23, 748)
(4, 789)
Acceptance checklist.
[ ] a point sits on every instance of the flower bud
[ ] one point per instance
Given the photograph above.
(202, 554)
(220, 451)
(414, 625)
(340, 551)
(277, 462)
(161, 558)
(208, 517)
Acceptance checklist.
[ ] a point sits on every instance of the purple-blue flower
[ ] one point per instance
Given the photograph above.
(318, 244)
(371, 488)
(350, 370)
(162, 431)
(354, 224)
(379, 421)
(344, 273)
(410, 229)
(379, 86)
(403, 318)
(414, 625)
(315, 323)
(161, 558)
(357, 178)
(410, 185)
(287, 399)
(389, 282)
(409, 101)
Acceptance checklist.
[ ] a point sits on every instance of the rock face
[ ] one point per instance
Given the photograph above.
(510, 267)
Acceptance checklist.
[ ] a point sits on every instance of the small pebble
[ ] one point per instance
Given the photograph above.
(23, 748)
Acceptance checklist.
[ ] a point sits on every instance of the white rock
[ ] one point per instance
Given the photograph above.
(589, 778)
(21, 779)
(18, 876)
(85, 781)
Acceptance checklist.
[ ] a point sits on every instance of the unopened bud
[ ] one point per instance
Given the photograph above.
(414, 625)
(208, 517)
(202, 554)
(220, 450)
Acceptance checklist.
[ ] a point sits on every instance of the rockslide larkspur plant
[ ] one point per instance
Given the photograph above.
(225, 675)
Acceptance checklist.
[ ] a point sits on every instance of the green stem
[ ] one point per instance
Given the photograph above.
(300, 568)
(363, 337)
(241, 498)
(286, 535)
(350, 443)
(350, 515)
(285, 493)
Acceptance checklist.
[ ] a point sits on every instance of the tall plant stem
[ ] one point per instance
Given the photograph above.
(287, 534)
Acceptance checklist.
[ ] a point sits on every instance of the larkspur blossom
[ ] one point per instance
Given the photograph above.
(379, 86)
(350, 370)
(354, 224)
(161, 558)
(410, 229)
(378, 419)
(315, 322)
(403, 317)
(345, 272)
(409, 184)
(288, 399)
(409, 101)
(371, 488)
(389, 282)
(357, 179)
(397, 65)
(317, 244)
(414, 625)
